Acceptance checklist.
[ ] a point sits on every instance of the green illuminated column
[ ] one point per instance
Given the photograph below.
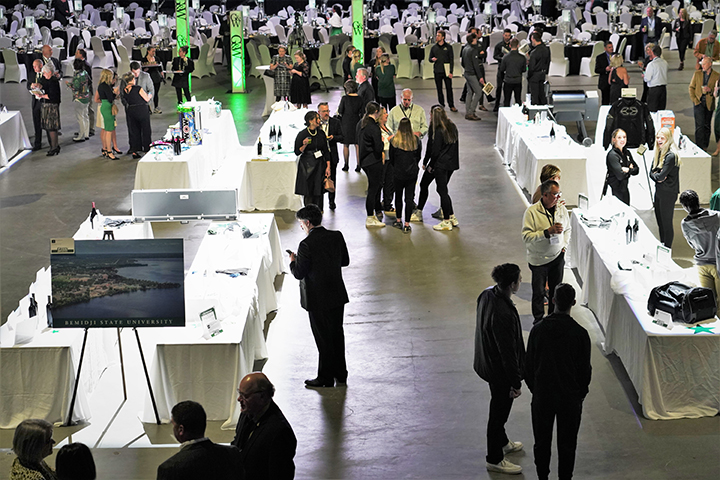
(237, 51)
(182, 26)
(358, 26)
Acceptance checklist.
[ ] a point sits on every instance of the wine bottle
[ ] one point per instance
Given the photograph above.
(552, 132)
(32, 310)
(279, 136)
(628, 233)
(526, 111)
(48, 311)
(93, 214)
(259, 147)
(636, 229)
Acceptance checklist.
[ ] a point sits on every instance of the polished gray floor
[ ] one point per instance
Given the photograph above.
(414, 408)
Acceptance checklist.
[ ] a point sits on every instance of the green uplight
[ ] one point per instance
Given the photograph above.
(182, 26)
(237, 51)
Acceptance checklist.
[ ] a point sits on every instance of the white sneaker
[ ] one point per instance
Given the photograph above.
(444, 225)
(504, 467)
(512, 447)
(373, 222)
(454, 220)
(416, 216)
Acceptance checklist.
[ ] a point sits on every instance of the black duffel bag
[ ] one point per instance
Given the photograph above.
(685, 304)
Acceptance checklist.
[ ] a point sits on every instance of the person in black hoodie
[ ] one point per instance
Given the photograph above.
(371, 161)
(499, 360)
(666, 175)
(620, 167)
(538, 66)
(405, 149)
(512, 66)
(557, 372)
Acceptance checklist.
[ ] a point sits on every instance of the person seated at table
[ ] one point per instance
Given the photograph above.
(548, 172)
(105, 95)
(351, 110)
(182, 67)
(50, 114)
(154, 69)
(683, 34)
(32, 443)
(314, 161)
(347, 71)
(75, 462)
(300, 81)
(620, 167)
(138, 115)
(281, 64)
(618, 78)
(62, 11)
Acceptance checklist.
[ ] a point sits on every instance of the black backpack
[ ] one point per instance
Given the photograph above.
(685, 304)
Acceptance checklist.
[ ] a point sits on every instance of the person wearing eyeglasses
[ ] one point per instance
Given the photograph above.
(546, 233)
(263, 435)
(32, 443)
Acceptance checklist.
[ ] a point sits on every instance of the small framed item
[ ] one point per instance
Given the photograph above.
(211, 325)
(663, 319)
(488, 88)
(663, 256)
(583, 202)
(628, 93)
(641, 149)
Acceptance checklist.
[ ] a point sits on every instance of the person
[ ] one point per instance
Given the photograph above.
(474, 76)
(618, 79)
(332, 128)
(643, 63)
(499, 360)
(371, 160)
(650, 27)
(546, 234)
(182, 67)
(501, 49)
(50, 113)
(263, 435)
(374, 64)
(74, 461)
(700, 229)
(52, 62)
(82, 55)
(36, 105)
(707, 47)
(62, 11)
(603, 69)
(537, 69)
(405, 150)
(351, 110)
(512, 67)
(300, 81)
(388, 187)
(463, 95)
(356, 62)
(281, 65)
(318, 265)
(198, 457)
(365, 90)
(666, 175)
(683, 34)
(154, 69)
(105, 95)
(385, 74)
(548, 172)
(442, 158)
(335, 23)
(656, 78)
(80, 87)
(138, 115)
(143, 80)
(701, 89)
(620, 167)
(716, 125)
(441, 55)
(311, 146)
(557, 373)
(413, 112)
(32, 443)
(347, 71)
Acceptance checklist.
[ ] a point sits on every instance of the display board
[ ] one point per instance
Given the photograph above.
(182, 26)
(237, 51)
(358, 26)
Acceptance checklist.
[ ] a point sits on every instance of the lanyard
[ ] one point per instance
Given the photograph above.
(402, 109)
(549, 217)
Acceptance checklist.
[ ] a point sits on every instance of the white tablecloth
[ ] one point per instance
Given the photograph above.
(675, 372)
(13, 136)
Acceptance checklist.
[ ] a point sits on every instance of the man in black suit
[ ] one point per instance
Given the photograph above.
(48, 59)
(198, 456)
(602, 68)
(538, 66)
(333, 132)
(318, 265)
(263, 435)
(365, 90)
(36, 104)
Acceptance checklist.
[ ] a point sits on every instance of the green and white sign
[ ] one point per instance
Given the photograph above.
(358, 26)
(237, 51)
(182, 26)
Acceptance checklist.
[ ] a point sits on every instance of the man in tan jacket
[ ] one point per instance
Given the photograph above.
(701, 89)
(707, 47)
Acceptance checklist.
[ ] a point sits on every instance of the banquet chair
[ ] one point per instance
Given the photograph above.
(154, 27)
(252, 52)
(323, 34)
(101, 30)
(399, 31)
(452, 19)
(339, 59)
(87, 46)
(424, 32)
(139, 12)
(495, 38)
(601, 19)
(265, 57)
(13, 28)
(513, 27)
(587, 64)
(453, 34)
(322, 64)
(464, 24)
(588, 17)
(410, 39)
(201, 67)
(547, 37)
(122, 57)
(626, 18)
(407, 67)
(521, 35)
(559, 64)
(597, 10)
(14, 72)
(96, 20)
(587, 27)
(309, 32)
(614, 39)
(129, 42)
(140, 31)
(427, 66)
(55, 24)
(457, 51)
(101, 58)
(46, 36)
(280, 30)
(139, 23)
(584, 36)
(620, 50)
(386, 29)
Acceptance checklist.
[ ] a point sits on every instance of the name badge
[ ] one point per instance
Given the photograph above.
(554, 239)
(318, 154)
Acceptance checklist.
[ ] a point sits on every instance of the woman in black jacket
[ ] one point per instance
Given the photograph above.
(683, 34)
(405, 150)
(50, 114)
(666, 175)
(311, 147)
(182, 67)
(620, 166)
(371, 160)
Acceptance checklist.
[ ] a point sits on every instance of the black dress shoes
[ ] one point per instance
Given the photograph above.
(317, 383)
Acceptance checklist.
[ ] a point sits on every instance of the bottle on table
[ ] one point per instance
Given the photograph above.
(259, 147)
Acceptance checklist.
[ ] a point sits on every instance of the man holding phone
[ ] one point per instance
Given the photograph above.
(546, 233)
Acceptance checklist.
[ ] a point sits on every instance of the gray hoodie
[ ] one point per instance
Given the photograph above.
(700, 230)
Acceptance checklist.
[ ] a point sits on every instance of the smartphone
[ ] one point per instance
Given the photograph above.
(289, 252)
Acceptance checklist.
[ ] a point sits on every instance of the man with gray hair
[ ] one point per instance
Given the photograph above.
(656, 75)
(407, 109)
(36, 104)
(707, 47)
(365, 90)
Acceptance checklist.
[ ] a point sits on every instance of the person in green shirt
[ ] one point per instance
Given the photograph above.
(80, 87)
(385, 73)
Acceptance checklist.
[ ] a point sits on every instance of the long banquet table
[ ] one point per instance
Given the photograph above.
(674, 372)
(13, 136)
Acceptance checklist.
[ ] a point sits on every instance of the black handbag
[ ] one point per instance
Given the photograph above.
(685, 304)
(269, 73)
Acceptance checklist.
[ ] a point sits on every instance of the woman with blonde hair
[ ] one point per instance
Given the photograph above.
(404, 157)
(548, 172)
(300, 81)
(618, 78)
(105, 95)
(684, 34)
(666, 175)
(32, 443)
(356, 62)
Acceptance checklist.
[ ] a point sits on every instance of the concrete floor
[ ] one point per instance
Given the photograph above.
(414, 407)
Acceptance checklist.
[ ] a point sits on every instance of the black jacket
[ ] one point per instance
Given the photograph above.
(311, 169)
(633, 116)
(371, 143)
(181, 79)
(499, 347)
(318, 266)
(683, 31)
(539, 63)
(471, 61)
(443, 55)
(512, 67)
(203, 460)
(440, 154)
(667, 177)
(557, 364)
(366, 92)
(347, 71)
(601, 63)
(267, 447)
(615, 161)
(501, 49)
(335, 129)
(405, 163)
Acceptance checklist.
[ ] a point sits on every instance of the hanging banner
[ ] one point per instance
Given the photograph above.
(237, 51)
(358, 26)
(182, 26)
